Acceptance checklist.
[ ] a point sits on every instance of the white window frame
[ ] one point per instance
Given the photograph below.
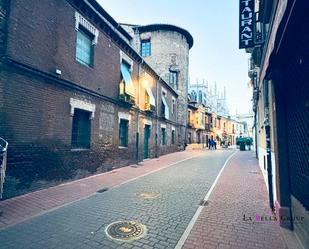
(164, 92)
(125, 58)
(83, 105)
(147, 122)
(124, 115)
(80, 20)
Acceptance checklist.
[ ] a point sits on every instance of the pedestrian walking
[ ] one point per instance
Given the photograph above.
(212, 144)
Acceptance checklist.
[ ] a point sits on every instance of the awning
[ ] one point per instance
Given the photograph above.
(152, 99)
(129, 87)
(166, 110)
(270, 48)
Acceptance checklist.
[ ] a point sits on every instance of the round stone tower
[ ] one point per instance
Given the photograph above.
(166, 49)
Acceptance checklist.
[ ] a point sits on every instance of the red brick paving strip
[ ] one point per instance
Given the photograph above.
(240, 190)
(23, 207)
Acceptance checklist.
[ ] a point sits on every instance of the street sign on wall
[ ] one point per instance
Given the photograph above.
(246, 23)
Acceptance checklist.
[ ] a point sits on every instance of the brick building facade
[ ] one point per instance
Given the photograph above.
(75, 97)
(279, 72)
(166, 48)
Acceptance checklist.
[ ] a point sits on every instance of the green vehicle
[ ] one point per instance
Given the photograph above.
(242, 142)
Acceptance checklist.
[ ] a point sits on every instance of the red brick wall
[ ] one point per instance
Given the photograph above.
(42, 34)
(36, 120)
(35, 110)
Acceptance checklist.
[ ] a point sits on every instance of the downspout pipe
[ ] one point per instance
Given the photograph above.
(157, 119)
(255, 135)
(256, 123)
(269, 168)
(268, 144)
(138, 114)
(256, 93)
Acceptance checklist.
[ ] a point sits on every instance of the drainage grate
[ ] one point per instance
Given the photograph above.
(102, 190)
(254, 172)
(203, 203)
(125, 230)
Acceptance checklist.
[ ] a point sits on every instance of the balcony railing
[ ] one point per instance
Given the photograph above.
(149, 108)
(259, 30)
(127, 98)
(3, 158)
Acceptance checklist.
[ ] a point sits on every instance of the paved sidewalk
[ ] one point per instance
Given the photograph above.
(232, 217)
(23, 207)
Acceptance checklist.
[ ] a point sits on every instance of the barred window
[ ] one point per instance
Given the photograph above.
(84, 47)
(163, 136)
(123, 132)
(81, 129)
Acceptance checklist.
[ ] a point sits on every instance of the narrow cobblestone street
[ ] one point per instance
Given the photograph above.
(32, 204)
(154, 125)
(82, 224)
(164, 202)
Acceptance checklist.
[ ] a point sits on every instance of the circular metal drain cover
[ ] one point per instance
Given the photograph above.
(125, 230)
(148, 195)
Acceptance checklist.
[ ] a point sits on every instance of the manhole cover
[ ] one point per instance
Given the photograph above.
(125, 230)
(254, 172)
(148, 195)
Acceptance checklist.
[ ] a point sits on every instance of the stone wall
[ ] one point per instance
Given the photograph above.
(169, 49)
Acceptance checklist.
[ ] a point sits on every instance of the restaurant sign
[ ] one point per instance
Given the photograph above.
(246, 23)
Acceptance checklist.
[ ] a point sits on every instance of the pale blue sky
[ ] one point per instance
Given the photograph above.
(214, 56)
